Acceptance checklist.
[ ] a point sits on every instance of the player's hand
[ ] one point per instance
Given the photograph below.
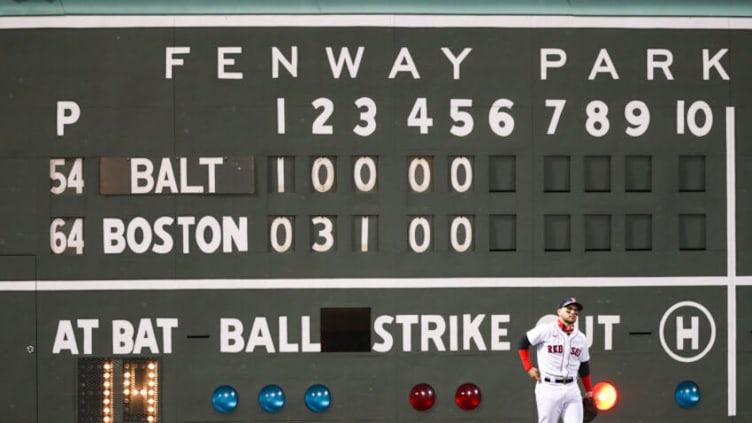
(587, 395)
(534, 374)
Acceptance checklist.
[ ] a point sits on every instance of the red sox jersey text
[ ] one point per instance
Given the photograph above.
(559, 353)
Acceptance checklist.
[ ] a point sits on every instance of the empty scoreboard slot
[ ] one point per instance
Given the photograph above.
(346, 329)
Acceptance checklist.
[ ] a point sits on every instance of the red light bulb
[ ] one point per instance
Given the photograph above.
(467, 396)
(422, 396)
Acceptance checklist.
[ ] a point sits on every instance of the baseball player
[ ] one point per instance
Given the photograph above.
(562, 354)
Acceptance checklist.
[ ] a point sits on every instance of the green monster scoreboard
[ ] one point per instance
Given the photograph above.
(341, 218)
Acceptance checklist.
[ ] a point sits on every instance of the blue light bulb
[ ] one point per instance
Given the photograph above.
(318, 398)
(271, 398)
(225, 399)
(687, 394)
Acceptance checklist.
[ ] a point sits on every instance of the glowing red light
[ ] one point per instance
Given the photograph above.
(422, 396)
(605, 396)
(467, 396)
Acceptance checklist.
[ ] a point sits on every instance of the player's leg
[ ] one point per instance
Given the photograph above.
(572, 406)
(548, 401)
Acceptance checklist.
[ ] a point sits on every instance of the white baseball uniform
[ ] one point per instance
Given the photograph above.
(559, 356)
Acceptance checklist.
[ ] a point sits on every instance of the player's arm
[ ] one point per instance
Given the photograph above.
(524, 352)
(584, 372)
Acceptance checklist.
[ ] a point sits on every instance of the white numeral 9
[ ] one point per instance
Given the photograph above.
(638, 115)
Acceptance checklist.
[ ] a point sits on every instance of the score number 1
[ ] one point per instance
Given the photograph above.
(67, 233)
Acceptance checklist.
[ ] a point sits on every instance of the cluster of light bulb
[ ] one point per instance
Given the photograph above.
(423, 396)
(468, 396)
(271, 398)
(147, 393)
(151, 393)
(107, 393)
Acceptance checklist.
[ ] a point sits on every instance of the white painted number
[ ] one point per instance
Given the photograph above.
(597, 123)
(638, 115)
(280, 115)
(320, 125)
(368, 117)
(698, 117)
(467, 174)
(461, 234)
(364, 234)
(325, 234)
(62, 182)
(60, 242)
(370, 182)
(418, 117)
(558, 106)
(283, 224)
(424, 183)
(419, 224)
(501, 122)
(280, 174)
(325, 164)
(463, 121)
(690, 119)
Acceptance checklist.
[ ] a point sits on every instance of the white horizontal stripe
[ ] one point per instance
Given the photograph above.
(409, 21)
(18, 286)
(743, 280)
(359, 283)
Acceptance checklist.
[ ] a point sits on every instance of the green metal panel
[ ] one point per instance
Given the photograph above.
(592, 211)
(474, 7)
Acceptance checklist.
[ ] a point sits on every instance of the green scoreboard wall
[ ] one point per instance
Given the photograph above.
(385, 151)
(176, 175)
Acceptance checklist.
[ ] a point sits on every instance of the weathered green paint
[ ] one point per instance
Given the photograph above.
(725, 8)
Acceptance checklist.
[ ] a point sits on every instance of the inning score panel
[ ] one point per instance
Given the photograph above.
(366, 152)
